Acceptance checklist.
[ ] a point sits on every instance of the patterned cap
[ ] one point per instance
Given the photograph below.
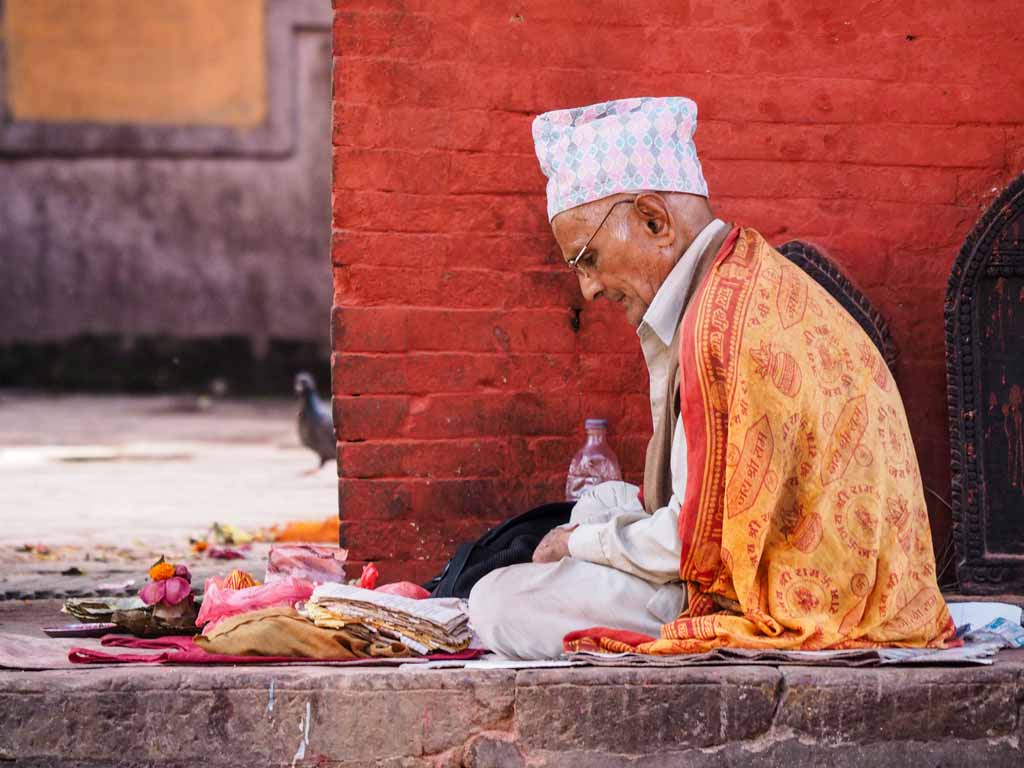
(627, 145)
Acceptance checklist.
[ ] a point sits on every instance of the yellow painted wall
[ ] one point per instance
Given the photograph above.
(189, 62)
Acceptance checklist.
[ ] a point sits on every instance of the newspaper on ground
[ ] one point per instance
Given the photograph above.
(968, 653)
(999, 630)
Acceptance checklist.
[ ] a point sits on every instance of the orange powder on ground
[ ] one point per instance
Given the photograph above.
(324, 531)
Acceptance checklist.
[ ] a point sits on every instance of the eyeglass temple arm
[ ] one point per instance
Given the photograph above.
(586, 245)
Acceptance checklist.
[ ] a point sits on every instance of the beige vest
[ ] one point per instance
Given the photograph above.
(658, 464)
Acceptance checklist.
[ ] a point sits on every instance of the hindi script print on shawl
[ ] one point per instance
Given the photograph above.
(804, 524)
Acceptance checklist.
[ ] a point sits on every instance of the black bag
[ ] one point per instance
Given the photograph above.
(510, 543)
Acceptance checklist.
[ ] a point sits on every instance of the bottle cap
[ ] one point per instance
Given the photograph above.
(596, 424)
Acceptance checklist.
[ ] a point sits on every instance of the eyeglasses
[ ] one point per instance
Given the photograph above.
(574, 262)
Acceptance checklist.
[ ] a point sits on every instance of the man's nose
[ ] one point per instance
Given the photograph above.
(590, 287)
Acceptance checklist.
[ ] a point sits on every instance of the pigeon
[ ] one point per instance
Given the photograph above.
(316, 427)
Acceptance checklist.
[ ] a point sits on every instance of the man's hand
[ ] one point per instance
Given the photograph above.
(554, 546)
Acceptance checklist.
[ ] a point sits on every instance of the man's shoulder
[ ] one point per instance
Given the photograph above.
(754, 298)
(774, 293)
(748, 275)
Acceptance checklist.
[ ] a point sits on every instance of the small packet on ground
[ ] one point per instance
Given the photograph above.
(317, 563)
(1011, 635)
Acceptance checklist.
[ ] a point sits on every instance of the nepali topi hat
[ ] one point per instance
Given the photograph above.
(627, 145)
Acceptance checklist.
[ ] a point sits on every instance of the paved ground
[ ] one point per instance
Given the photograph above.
(110, 483)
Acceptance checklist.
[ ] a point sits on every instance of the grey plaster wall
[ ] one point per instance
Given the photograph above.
(188, 233)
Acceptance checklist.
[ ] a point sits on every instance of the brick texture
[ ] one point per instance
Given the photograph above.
(465, 358)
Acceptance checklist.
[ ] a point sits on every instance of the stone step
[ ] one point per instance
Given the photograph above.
(739, 715)
(277, 716)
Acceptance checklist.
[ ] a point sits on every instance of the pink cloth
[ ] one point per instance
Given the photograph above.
(404, 589)
(219, 601)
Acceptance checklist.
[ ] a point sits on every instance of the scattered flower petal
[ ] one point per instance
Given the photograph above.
(224, 553)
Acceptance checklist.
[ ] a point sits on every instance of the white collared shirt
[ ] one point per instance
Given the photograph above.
(645, 545)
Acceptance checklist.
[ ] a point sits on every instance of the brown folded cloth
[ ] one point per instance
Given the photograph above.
(283, 632)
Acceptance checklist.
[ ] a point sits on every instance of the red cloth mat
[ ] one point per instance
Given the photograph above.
(181, 650)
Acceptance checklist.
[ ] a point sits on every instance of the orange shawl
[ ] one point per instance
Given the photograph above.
(803, 524)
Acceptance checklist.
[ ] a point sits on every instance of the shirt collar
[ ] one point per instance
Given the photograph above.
(663, 314)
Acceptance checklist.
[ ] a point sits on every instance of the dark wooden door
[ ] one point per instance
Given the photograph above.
(985, 368)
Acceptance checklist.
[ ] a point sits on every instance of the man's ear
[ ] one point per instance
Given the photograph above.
(656, 216)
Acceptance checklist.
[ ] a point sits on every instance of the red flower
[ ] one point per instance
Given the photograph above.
(368, 579)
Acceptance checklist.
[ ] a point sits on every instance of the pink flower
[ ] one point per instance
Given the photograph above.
(170, 591)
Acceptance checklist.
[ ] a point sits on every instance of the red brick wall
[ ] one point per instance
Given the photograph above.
(878, 130)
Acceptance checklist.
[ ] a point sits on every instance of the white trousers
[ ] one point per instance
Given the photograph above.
(524, 611)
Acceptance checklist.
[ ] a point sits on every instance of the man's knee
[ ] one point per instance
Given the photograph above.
(514, 612)
(485, 603)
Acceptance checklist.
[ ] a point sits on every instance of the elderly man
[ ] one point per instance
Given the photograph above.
(782, 504)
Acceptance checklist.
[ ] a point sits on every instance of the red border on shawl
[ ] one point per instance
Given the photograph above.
(598, 633)
(694, 411)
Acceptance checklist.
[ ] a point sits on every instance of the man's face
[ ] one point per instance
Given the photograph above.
(624, 263)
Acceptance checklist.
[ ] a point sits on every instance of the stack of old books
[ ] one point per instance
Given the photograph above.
(424, 626)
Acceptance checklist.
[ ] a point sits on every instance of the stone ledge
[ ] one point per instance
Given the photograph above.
(638, 711)
(730, 715)
(586, 716)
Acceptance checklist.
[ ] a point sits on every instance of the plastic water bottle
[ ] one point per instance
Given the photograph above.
(595, 462)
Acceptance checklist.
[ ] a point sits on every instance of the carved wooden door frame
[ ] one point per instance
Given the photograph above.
(979, 570)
